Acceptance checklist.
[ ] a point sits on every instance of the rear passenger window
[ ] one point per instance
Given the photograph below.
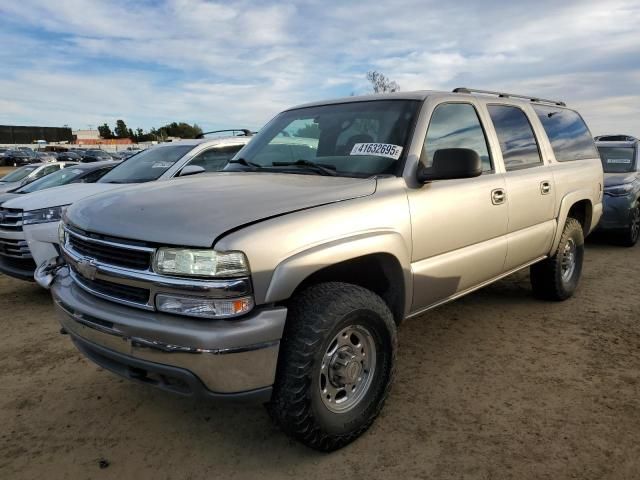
(455, 125)
(517, 141)
(569, 135)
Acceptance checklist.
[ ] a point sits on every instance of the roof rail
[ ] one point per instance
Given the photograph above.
(508, 95)
(244, 132)
(615, 138)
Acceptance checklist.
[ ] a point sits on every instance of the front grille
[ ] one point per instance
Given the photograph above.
(11, 219)
(110, 254)
(14, 248)
(117, 291)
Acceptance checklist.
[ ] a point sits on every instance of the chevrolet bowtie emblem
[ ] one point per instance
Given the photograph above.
(87, 268)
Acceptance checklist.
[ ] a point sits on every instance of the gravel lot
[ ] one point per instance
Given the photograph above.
(497, 385)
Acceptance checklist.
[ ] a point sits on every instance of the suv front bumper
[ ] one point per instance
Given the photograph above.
(211, 358)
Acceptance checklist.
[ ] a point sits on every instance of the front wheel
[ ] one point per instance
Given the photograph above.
(335, 365)
(557, 277)
(630, 237)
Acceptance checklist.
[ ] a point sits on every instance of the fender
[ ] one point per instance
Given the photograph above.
(292, 271)
(567, 202)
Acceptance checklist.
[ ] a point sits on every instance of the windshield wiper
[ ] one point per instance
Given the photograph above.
(321, 168)
(246, 163)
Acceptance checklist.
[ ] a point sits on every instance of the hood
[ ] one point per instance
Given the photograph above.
(53, 197)
(7, 196)
(611, 179)
(194, 211)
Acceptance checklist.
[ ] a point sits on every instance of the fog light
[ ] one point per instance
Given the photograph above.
(204, 307)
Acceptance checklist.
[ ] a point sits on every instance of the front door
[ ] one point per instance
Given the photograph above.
(459, 226)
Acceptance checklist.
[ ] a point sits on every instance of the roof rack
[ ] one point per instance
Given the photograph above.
(615, 138)
(244, 132)
(508, 95)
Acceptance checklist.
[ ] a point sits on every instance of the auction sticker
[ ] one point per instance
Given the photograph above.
(378, 149)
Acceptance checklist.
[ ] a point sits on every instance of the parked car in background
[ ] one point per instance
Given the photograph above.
(95, 155)
(20, 156)
(29, 173)
(284, 278)
(70, 156)
(47, 156)
(35, 217)
(80, 173)
(620, 156)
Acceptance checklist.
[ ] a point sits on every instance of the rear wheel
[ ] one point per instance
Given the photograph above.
(335, 365)
(557, 277)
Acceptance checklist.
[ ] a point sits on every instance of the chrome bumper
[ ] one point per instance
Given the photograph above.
(227, 356)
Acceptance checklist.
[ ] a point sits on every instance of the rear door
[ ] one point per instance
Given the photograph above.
(529, 185)
(458, 226)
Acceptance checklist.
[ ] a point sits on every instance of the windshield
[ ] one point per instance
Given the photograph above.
(147, 165)
(18, 174)
(358, 139)
(617, 159)
(55, 179)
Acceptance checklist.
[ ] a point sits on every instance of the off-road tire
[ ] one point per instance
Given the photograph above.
(630, 236)
(314, 317)
(547, 276)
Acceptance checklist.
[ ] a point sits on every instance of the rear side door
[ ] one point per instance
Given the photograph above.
(458, 226)
(530, 188)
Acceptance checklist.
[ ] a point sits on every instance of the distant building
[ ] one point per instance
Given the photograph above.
(18, 134)
(86, 135)
(92, 137)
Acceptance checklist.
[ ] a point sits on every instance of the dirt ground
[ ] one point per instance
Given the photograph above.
(497, 385)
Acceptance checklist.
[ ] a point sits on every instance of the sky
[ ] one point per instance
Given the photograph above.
(235, 64)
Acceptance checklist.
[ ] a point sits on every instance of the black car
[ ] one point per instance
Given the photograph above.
(621, 164)
(20, 157)
(95, 155)
(69, 156)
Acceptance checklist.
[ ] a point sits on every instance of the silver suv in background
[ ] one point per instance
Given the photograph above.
(284, 278)
(621, 163)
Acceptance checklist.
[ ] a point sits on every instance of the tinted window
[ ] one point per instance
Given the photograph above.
(339, 136)
(215, 158)
(455, 125)
(567, 132)
(93, 176)
(146, 166)
(617, 159)
(517, 141)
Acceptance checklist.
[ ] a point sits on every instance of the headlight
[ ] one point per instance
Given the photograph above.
(203, 306)
(44, 215)
(619, 190)
(62, 235)
(200, 263)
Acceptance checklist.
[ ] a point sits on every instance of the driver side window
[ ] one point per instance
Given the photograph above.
(455, 125)
(215, 159)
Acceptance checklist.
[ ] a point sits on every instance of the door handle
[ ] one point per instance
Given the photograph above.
(545, 187)
(498, 196)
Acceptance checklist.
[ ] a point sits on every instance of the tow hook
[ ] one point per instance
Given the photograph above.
(45, 274)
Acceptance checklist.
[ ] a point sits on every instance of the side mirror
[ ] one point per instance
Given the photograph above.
(191, 170)
(450, 163)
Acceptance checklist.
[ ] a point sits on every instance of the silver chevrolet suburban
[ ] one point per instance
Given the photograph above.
(283, 279)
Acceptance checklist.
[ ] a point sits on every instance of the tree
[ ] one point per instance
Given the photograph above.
(105, 131)
(310, 130)
(181, 130)
(121, 129)
(381, 84)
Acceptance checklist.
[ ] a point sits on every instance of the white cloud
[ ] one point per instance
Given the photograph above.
(238, 63)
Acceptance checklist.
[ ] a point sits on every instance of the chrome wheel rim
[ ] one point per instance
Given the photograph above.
(347, 369)
(568, 263)
(635, 222)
